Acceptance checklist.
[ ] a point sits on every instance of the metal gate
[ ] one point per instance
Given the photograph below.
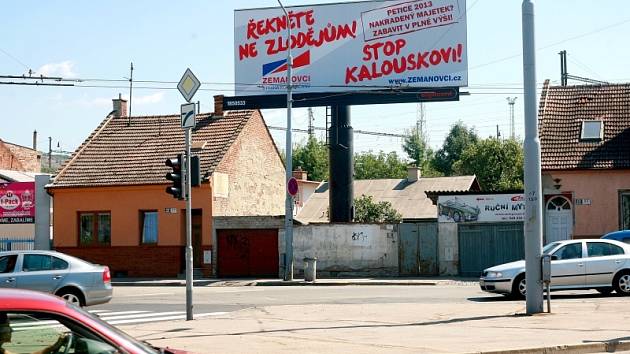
(486, 245)
(248, 253)
(418, 249)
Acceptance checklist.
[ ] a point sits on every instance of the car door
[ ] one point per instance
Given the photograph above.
(602, 261)
(38, 273)
(567, 266)
(7, 270)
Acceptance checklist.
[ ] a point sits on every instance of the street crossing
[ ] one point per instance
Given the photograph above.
(130, 317)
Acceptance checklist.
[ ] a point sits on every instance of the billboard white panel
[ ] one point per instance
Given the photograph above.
(481, 208)
(352, 46)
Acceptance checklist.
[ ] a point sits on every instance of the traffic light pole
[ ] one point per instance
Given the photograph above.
(189, 251)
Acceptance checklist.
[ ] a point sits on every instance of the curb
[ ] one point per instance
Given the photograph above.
(222, 283)
(604, 347)
(329, 283)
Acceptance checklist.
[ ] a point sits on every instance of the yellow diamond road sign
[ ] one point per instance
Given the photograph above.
(188, 85)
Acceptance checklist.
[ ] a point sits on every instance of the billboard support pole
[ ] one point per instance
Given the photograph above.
(341, 167)
(288, 203)
(533, 197)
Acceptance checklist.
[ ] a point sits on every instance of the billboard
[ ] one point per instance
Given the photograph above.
(353, 46)
(481, 208)
(17, 203)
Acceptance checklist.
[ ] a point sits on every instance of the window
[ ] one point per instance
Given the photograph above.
(624, 210)
(28, 332)
(149, 223)
(59, 264)
(36, 262)
(571, 251)
(592, 130)
(95, 228)
(7, 263)
(601, 249)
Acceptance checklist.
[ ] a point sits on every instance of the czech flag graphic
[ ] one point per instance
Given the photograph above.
(281, 65)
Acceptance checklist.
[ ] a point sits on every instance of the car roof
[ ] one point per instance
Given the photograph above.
(617, 235)
(20, 299)
(614, 242)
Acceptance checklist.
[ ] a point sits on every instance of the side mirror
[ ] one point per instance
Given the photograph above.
(554, 257)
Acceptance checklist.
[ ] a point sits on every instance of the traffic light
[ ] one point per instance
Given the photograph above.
(176, 176)
(195, 175)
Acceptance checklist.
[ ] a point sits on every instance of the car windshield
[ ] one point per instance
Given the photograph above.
(550, 247)
(144, 346)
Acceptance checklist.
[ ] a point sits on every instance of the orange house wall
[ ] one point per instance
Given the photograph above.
(602, 188)
(125, 204)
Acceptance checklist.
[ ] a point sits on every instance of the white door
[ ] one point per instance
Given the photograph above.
(559, 219)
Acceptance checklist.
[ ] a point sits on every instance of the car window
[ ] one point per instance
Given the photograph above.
(570, 251)
(59, 264)
(549, 247)
(7, 263)
(601, 249)
(32, 332)
(36, 262)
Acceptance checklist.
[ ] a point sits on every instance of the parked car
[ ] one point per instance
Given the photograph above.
(36, 322)
(73, 279)
(623, 236)
(458, 211)
(603, 265)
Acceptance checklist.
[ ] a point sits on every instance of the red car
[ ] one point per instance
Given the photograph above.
(34, 322)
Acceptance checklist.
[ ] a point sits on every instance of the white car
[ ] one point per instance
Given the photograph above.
(598, 264)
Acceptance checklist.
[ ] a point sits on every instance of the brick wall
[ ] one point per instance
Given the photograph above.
(255, 172)
(19, 158)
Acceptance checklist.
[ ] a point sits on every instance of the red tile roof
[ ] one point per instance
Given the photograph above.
(117, 154)
(561, 112)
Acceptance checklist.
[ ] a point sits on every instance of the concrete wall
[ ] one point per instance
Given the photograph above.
(448, 248)
(346, 249)
(255, 174)
(602, 188)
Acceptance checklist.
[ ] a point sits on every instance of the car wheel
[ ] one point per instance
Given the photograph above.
(621, 283)
(605, 291)
(457, 216)
(72, 296)
(518, 287)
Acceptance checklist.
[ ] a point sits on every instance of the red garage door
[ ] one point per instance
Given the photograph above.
(248, 253)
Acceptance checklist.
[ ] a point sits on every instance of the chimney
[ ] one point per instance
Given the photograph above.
(120, 106)
(35, 140)
(413, 173)
(300, 175)
(218, 105)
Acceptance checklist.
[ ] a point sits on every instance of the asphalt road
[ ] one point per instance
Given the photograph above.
(227, 299)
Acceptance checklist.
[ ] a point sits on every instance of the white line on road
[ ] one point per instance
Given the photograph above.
(108, 318)
(142, 295)
(165, 318)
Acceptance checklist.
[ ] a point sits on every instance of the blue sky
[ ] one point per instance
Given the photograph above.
(98, 40)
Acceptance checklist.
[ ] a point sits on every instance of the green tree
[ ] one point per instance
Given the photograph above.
(497, 164)
(377, 166)
(368, 211)
(313, 158)
(419, 152)
(458, 139)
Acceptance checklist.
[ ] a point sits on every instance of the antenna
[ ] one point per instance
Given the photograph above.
(565, 76)
(511, 101)
(130, 93)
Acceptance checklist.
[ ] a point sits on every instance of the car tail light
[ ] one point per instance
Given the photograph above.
(107, 277)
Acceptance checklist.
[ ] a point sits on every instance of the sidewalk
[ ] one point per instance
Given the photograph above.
(295, 282)
(476, 325)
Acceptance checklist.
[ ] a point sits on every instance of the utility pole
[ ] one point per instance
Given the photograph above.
(288, 204)
(511, 101)
(533, 196)
(49, 152)
(421, 121)
(311, 119)
(498, 133)
(130, 93)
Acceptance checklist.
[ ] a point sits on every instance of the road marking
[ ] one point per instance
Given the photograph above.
(143, 295)
(164, 318)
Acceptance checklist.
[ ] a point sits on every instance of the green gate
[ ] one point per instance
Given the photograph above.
(485, 245)
(418, 249)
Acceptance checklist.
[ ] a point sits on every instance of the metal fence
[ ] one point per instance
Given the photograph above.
(15, 244)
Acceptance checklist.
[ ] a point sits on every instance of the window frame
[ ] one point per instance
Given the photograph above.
(581, 255)
(95, 236)
(592, 138)
(141, 227)
(610, 247)
(622, 193)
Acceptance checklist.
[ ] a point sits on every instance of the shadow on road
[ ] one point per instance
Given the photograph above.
(554, 296)
(162, 335)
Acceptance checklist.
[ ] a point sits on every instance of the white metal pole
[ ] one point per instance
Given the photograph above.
(189, 250)
(533, 190)
(288, 204)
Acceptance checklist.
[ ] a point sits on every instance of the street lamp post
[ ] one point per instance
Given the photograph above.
(288, 204)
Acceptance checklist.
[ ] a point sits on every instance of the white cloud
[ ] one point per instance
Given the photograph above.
(148, 99)
(63, 69)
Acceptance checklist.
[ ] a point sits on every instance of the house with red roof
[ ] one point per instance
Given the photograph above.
(585, 159)
(109, 199)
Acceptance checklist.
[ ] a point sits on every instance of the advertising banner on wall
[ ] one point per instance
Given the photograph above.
(352, 46)
(17, 203)
(481, 208)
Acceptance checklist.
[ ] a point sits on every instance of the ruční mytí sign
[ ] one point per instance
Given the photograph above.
(351, 46)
